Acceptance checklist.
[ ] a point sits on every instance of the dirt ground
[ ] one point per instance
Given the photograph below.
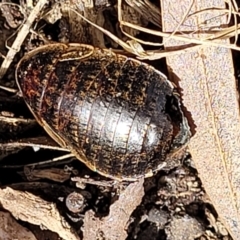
(53, 198)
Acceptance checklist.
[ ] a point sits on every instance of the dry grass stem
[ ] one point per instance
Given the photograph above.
(21, 36)
(189, 38)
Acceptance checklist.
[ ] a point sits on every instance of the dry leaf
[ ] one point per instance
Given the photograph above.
(210, 95)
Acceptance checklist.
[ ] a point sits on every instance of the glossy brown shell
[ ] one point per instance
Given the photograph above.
(118, 115)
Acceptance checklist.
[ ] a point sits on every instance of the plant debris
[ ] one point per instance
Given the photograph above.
(10, 228)
(115, 224)
(30, 208)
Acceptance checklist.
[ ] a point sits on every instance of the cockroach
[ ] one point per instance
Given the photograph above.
(121, 117)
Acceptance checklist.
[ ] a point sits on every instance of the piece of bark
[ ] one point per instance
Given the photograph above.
(114, 225)
(210, 95)
(53, 174)
(33, 209)
(11, 229)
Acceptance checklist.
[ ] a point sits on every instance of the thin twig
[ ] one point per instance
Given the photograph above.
(62, 159)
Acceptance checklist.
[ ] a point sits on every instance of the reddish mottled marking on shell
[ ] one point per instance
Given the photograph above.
(117, 115)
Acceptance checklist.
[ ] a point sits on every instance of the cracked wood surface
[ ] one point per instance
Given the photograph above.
(209, 92)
